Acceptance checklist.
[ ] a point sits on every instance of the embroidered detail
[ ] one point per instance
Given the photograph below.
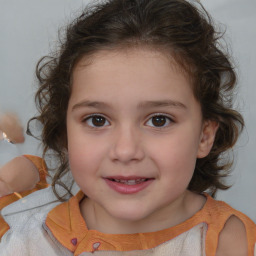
(74, 241)
(96, 246)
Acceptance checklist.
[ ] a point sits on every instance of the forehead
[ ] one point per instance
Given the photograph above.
(138, 53)
(136, 73)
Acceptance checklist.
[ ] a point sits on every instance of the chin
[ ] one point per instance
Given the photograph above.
(129, 214)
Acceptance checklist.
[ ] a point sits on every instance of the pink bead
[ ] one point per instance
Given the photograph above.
(74, 241)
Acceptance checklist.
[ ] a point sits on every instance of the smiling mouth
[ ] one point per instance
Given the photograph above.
(128, 185)
(129, 182)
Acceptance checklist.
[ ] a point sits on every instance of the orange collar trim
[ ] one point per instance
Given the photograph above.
(69, 228)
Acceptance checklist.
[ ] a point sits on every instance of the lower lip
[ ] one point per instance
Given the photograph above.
(128, 189)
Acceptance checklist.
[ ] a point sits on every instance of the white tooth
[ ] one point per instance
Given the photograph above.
(140, 180)
(131, 182)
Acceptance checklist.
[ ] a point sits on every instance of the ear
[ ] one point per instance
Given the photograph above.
(208, 133)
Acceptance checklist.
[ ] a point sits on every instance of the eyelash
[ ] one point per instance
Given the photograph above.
(166, 117)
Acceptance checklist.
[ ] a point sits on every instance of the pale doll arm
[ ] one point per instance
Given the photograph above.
(10, 125)
(18, 175)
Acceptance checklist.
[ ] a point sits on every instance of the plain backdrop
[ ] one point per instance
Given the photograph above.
(28, 30)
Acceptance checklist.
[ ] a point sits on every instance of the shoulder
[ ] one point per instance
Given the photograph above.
(233, 238)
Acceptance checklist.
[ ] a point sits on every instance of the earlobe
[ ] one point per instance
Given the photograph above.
(209, 130)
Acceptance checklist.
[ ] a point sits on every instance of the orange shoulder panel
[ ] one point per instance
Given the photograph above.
(218, 214)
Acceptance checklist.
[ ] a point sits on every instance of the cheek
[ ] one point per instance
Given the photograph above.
(81, 167)
(85, 156)
(175, 158)
(175, 150)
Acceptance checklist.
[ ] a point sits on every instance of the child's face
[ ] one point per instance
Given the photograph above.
(134, 131)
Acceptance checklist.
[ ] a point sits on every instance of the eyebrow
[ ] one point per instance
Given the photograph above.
(162, 103)
(145, 104)
(91, 104)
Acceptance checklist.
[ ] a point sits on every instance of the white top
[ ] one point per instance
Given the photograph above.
(28, 235)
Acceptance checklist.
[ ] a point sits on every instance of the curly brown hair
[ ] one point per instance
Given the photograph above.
(181, 29)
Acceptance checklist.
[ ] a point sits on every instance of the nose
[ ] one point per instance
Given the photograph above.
(127, 145)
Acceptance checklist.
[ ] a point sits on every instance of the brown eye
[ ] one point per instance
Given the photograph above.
(96, 121)
(159, 121)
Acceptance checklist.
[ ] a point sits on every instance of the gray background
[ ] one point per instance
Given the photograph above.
(28, 29)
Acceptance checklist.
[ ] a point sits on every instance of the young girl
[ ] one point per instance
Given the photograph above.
(138, 105)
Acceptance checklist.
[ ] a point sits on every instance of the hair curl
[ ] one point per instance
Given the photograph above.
(179, 28)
